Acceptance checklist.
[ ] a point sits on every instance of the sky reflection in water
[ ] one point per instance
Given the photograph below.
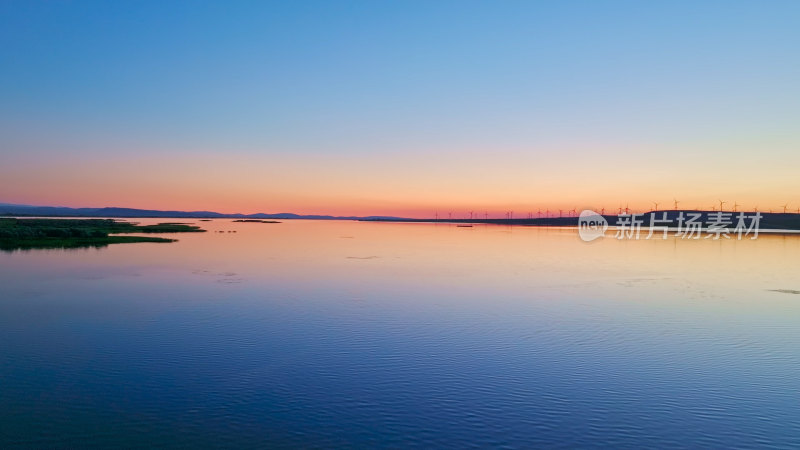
(344, 333)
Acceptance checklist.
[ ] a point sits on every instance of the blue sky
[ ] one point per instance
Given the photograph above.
(366, 80)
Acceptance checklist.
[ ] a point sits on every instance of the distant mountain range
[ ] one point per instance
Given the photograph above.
(8, 209)
(780, 221)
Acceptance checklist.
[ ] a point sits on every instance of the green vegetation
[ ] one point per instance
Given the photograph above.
(163, 228)
(72, 233)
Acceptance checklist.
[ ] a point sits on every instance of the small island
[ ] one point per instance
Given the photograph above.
(256, 221)
(18, 234)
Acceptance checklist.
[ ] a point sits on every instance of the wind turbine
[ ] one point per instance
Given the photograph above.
(547, 213)
(735, 205)
(602, 211)
(539, 213)
(627, 210)
(574, 212)
(720, 205)
(619, 213)
(676, 203)
(784, 208)
(656, 205)
(560, 213)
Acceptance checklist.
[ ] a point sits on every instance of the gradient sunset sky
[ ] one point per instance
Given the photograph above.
(401, 108)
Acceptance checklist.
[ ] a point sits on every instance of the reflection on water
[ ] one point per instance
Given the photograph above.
(376, 334)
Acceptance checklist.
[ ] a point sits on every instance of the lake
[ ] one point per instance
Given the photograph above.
(356, 334)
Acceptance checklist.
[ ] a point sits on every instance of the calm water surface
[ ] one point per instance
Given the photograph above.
(347, 334)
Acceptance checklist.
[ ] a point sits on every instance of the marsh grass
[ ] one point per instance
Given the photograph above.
(73, 233)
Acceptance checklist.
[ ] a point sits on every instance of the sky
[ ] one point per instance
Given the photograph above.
(400, 107)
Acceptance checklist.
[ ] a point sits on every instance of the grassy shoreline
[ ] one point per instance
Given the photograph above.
(21, 234)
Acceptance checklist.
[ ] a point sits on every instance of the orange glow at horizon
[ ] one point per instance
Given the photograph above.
(408, 185)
